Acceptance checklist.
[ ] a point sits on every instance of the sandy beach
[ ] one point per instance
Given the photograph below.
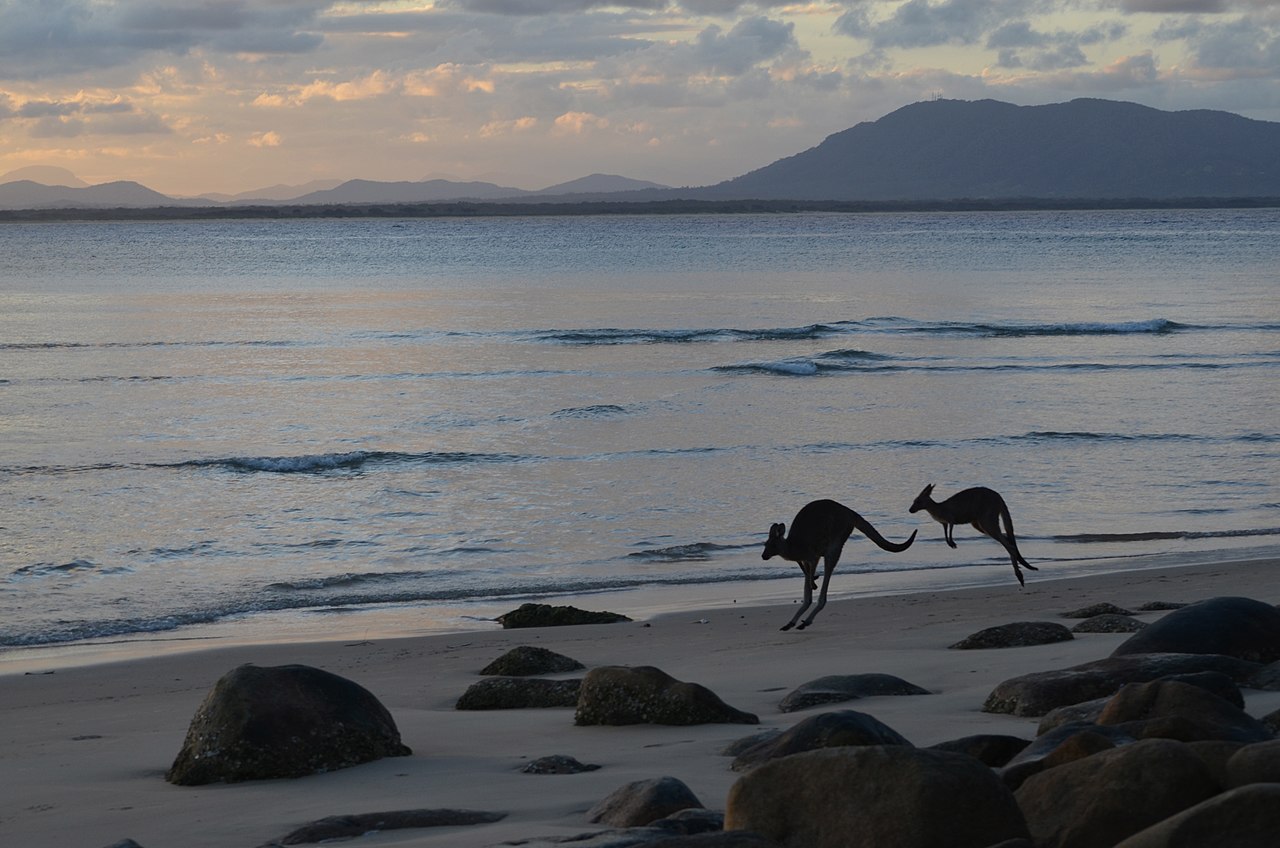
(85, 748)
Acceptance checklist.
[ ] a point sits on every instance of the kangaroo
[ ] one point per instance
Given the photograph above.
(981, 507)
(819, 531)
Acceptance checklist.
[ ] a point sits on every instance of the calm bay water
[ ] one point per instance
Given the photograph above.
(230, 421)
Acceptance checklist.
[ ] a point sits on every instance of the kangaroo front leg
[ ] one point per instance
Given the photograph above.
(947, 530)
(822, 597)
(810, 570)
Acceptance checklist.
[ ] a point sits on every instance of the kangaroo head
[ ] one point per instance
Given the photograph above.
(773, 545)
(922, 499)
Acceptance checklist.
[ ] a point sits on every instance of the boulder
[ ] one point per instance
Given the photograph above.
(618, 695)
(1160, 606)
(1267, 678)
(286, 721)
(1233, 627)
(1215, 754)
(1019, 634)
(346, 827)
(995, 750)
(517, 693)
(1101, 799)
(1064, 744)
(1248, 817)
(545, 615)
(642, 802)
(1173, 709)
(557, 764)
(875, 795)
(847, 687)
(1037, 693)
(1256, 763)
(1096, 610)
(529, 660)
(1109, 623)
(842, 728)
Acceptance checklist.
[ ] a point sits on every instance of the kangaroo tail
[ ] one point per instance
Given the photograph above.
(871, 533)
(1008, 532)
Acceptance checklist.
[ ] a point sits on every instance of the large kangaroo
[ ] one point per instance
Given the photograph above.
(981, 507)
(819, 531)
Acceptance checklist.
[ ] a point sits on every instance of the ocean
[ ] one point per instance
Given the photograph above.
(270, 428)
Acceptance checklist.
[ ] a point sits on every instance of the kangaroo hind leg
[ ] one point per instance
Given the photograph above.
(989, 526)
(829, 563)
(810, 569)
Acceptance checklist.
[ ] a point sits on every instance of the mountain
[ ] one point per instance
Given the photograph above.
(272, 194)
(599, 184)
(26, 194)
(44, 175)
(428, 191)
(950, 149)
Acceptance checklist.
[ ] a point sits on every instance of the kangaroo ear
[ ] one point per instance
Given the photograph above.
(928, 490)
(777, 531)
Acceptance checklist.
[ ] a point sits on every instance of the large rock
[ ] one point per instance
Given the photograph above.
(1064, 744)
(879, 795)
(1109, 623)
(845, 687)
(545, 615)
(1248, 817)
(618, 695)
(529, 660)
(1256, 763)
(642, 802)
(1172, 709)
(1037, 693)
(518, 693)
(286, 721)
(346, 827)
(1233, 627)
(841, 728)
(1104, 798)
(1096, 610)
(994, 749)
(1020, 634)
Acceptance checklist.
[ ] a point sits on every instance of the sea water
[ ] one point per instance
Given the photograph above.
(259, 424)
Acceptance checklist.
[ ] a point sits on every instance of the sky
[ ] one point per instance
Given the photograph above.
(195, 96)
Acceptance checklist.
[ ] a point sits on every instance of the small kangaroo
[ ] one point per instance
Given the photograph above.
(981, 507)
(819, 531)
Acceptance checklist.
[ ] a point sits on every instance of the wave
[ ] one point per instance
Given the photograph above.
(602, 410)
(64, 345)
(346, 461)
(619, 335)
(1165, 535)
(75, 567)
(695, 552)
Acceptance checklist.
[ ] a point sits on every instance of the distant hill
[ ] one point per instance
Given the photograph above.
(947, 149)
(275, 193)
(26, 194)
(598, 184)
(44, 175)
(427, 191)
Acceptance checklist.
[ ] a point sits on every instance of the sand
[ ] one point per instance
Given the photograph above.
(85, 747)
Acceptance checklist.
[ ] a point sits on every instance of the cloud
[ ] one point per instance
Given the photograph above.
(552, 7)
(53, 38)
(1019, 45)
(270, 138)
(922, 23)
(749, 42)
(579, 122)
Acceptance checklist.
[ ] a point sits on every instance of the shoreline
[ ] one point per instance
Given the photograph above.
(85, 747)
(640, 603)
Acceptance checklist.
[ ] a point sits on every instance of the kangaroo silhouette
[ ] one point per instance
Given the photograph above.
(981, 507)
(819, 531)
